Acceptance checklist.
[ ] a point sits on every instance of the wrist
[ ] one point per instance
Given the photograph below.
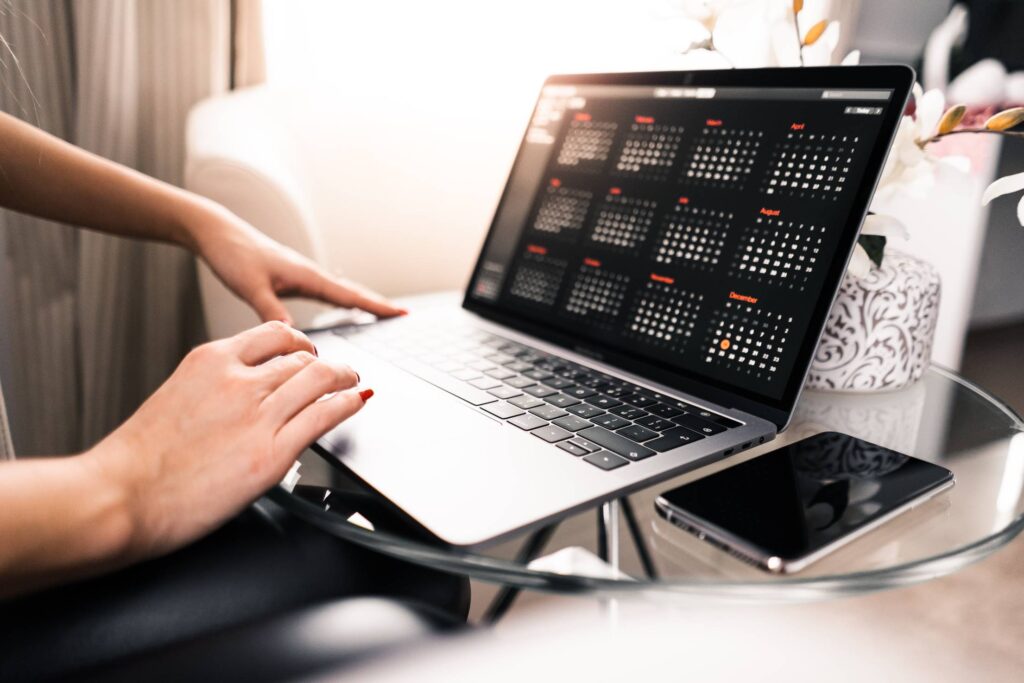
(195, 221)
(116, 529)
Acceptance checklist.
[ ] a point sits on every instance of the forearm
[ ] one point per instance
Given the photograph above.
(60, 519)
(44, 176)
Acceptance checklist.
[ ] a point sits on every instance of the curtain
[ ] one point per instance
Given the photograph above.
(92, 323)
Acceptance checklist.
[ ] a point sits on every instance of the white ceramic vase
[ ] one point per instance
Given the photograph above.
(879, 334)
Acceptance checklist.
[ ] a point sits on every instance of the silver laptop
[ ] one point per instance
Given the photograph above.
(647, 301)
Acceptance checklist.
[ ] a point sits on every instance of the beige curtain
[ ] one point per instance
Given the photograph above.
(92, 324)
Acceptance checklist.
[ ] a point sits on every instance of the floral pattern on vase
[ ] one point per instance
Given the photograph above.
(879, 334)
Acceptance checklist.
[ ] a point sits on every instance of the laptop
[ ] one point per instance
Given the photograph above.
(647, 301)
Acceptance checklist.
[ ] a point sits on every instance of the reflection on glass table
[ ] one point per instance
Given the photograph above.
(625, 545)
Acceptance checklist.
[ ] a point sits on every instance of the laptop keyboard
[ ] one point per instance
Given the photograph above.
(606, 422)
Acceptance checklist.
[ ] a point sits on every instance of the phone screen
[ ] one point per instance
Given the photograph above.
(802, 497)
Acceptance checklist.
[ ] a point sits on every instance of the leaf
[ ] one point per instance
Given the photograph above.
(874, 246)
(797, 6)
(815, 32)
(1005, 185)
(952, 118)
(1006, 119)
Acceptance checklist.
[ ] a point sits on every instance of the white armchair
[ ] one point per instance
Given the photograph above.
(359, 188)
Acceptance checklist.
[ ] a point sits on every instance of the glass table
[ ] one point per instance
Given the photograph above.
(625, 546)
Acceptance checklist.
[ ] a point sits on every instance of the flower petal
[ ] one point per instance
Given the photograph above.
(860, 263)
(1020, 211)
(885, 225)
(1006, 185)
(929, 111)
(852, 59)
(958, 163)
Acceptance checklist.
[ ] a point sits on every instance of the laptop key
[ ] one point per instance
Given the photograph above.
(616, 444)
(503, 410)
(585, 410)
(465, 374)
(617, 391)
(606, 460)
(572, 423)
(499, 358)
(587, 444)
(557, 382)
(637, 433)
(664, 410)
(518, 366)
(673, 438)
(609, 421)
(699, 425)
(528, 422)
(448, 383)
(638, 400)
(658, 424)
(537, 374)
(627, 411)
(499, 373)
(526, 402)
(520, 382)
(713, 417)
(485, 383)
(548, 412)
(481, 365)
(540, 391)
(572, 449)
(504, 392)
(604, 402)
(551, 434)
(561, 400)
(580, 392)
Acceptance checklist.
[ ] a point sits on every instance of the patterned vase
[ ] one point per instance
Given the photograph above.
(879, 334)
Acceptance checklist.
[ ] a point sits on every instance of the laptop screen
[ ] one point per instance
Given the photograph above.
(692, 227)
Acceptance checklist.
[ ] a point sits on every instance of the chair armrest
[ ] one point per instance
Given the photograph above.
(239, 155)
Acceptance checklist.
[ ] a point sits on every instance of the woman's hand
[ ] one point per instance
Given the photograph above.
(225, 427)
(260, 271)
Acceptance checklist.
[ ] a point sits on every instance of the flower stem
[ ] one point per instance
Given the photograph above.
(799, 40)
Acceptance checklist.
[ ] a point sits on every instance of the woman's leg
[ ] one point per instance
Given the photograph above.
(261, 563)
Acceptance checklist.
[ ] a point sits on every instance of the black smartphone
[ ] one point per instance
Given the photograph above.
(790, 507)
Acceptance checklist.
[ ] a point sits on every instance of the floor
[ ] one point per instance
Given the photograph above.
(979, 610)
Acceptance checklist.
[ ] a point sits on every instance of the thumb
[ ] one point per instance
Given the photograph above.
(268, 307)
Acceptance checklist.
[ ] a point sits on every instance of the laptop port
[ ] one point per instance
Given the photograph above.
(729, 451)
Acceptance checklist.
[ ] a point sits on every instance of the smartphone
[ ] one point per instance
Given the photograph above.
(788, 508)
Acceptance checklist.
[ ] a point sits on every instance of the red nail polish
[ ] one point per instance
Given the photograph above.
(365, 394)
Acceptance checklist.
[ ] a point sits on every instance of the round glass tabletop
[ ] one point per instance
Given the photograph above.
(625, 545)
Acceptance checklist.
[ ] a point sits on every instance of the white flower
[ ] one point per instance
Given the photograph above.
(1011, 183)
(911, 169)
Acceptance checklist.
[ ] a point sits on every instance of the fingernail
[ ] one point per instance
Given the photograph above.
(365, 394)
(315, 351)
(358, 379)
(403, 311)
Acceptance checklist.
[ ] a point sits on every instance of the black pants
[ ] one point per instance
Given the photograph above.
(259, 564)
